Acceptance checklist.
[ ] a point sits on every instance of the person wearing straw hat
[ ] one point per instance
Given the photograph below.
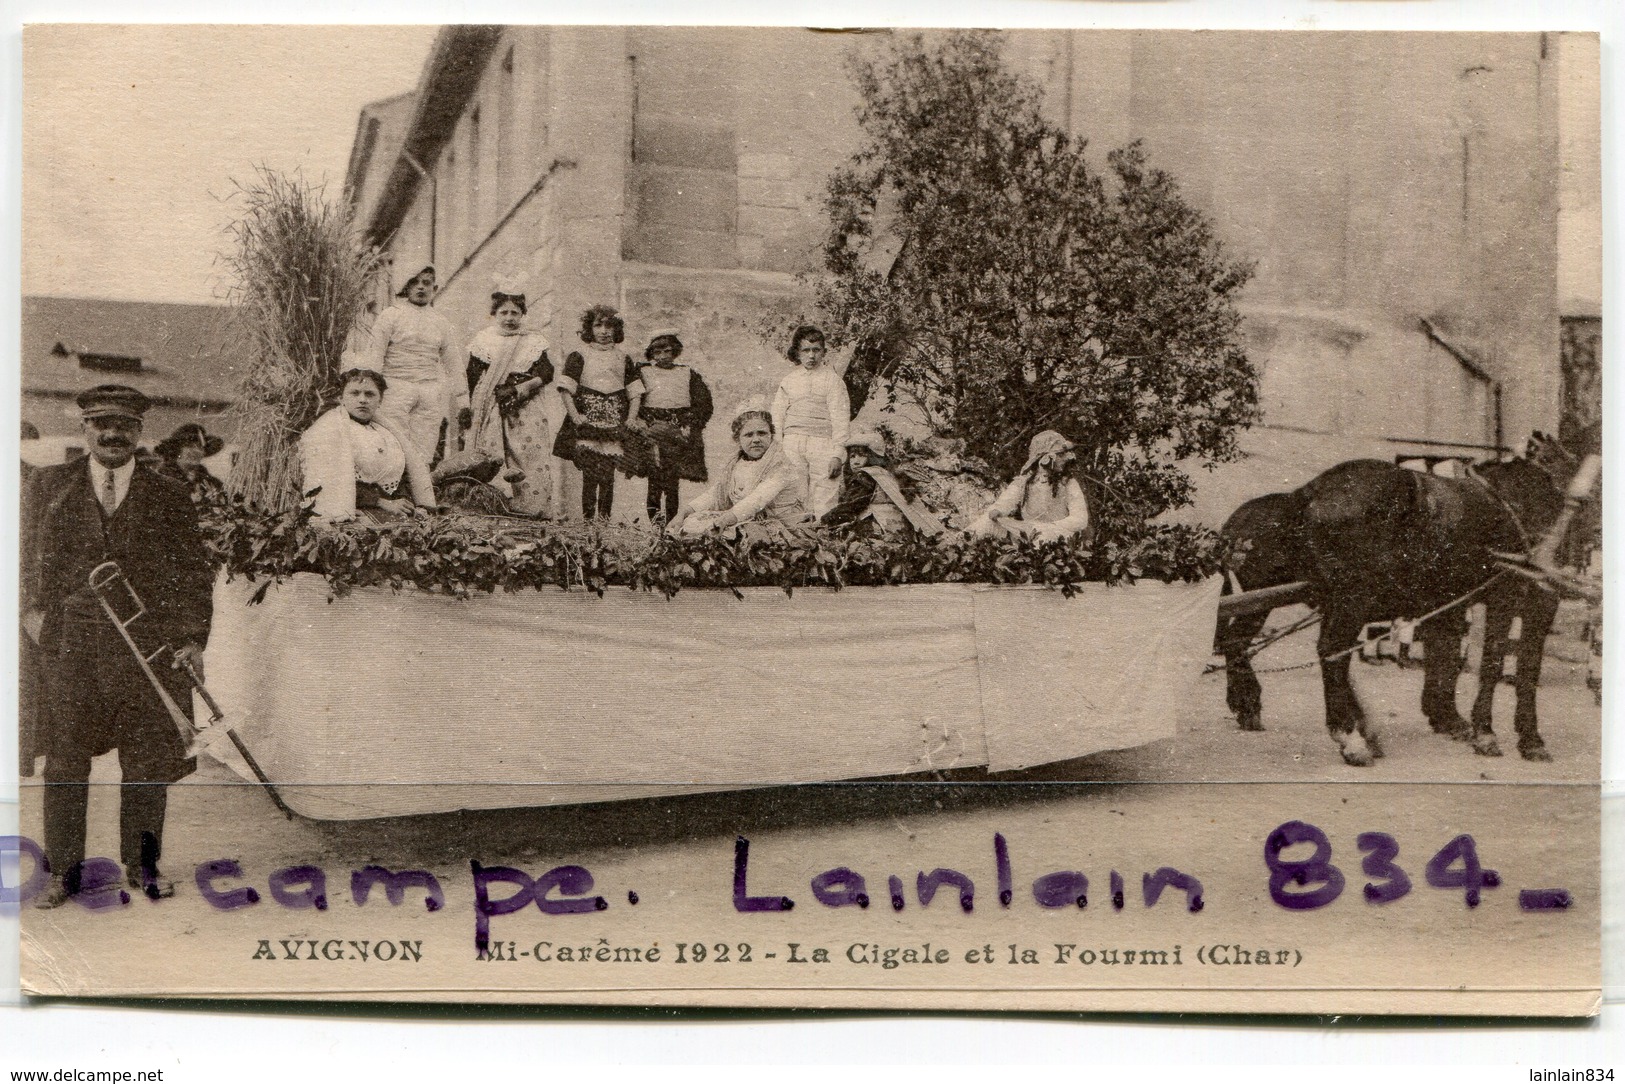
(109, 507)
(757, 484)
(1044, 501)
(871, 494)
(676, 408)
(414, 349)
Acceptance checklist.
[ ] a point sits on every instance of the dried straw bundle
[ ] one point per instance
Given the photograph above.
(302, 278)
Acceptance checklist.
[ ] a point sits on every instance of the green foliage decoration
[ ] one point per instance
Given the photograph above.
(466, 555)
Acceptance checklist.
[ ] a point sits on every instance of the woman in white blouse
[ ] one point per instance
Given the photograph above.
(1043, 501)
(358, 464)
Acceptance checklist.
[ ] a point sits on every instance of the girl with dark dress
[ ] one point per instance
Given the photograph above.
(602, 399)
(676, 407)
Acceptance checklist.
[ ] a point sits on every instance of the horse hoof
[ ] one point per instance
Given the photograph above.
(1486, 746)
(1374, 744)
(1250, 720)
(1536, 752)
(1455, 729)
(1357, 755)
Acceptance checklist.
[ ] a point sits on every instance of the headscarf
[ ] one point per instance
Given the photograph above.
(1042, 450)
(506, 287)
(866, 438)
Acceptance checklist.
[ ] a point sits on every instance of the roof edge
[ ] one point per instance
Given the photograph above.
(450, 77)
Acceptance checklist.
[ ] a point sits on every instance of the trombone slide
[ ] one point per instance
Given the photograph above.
(104, 578)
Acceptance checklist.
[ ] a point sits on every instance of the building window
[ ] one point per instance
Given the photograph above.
(473, 198)
(503, 171)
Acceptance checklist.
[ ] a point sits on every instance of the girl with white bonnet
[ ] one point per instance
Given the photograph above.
(508, 367)
(1044, 501)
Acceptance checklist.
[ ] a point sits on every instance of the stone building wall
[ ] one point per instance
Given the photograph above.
(681, 173)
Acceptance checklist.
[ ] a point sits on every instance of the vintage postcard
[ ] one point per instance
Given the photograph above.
(1033, 519)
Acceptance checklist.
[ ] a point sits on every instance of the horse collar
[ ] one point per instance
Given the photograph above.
(1506, 505)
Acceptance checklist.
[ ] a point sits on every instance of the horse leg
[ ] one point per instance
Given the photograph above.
(1441, 644)
(1497, 627)
(1241, 689)
(1339, 629)
(1538, 612)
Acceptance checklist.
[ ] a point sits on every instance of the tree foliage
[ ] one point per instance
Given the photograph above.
(996, 282)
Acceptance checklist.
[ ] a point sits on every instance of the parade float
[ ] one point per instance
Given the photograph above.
(469, 660)
(443, 666)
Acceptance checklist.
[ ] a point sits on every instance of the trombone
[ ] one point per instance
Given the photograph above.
(106, 579)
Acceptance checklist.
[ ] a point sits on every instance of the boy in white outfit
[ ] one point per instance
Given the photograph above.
(811, 411)
(416, 351)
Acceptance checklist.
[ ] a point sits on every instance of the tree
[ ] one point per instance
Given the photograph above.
(1027, 290)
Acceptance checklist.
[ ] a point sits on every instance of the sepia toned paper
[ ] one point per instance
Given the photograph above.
(926, 796)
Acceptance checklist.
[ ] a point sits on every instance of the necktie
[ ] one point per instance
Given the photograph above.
(109, 493)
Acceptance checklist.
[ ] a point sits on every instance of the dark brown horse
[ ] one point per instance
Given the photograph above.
(1266, 534)
(1375, 541)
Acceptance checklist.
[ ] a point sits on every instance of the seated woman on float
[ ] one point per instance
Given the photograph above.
(757, 483)
(358, 465)
(1044, 501)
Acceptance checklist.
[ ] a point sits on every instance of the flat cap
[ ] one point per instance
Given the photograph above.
(112, 400)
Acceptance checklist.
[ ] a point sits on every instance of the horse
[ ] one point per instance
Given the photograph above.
(1265, 535)
(1374, 540)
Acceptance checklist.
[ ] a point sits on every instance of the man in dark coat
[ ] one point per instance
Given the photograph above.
(111, 508)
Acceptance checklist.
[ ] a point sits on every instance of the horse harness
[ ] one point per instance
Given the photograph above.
(1270, 638)
(1506, 506)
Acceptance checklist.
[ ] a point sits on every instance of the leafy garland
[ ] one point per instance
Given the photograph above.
(465, 555)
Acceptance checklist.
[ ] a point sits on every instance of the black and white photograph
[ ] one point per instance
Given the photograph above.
(1050, 520)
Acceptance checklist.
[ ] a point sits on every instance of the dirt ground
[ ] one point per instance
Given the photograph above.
(1132, 809)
